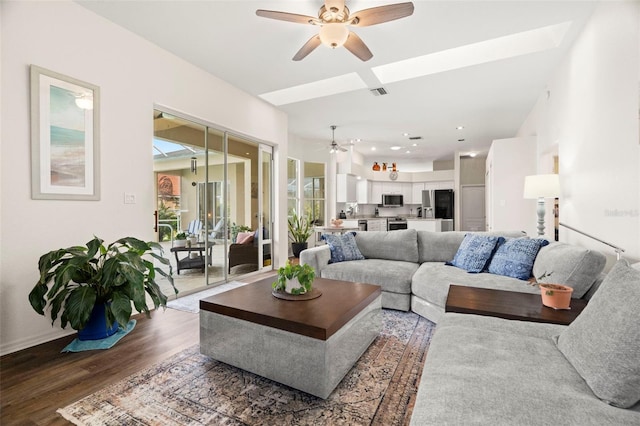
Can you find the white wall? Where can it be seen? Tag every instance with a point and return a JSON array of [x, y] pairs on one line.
[[590, 117], [133, 75]]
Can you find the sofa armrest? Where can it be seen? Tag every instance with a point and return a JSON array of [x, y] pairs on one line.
[[317, 257]]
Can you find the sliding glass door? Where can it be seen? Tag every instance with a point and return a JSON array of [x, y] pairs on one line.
[[213, 187]]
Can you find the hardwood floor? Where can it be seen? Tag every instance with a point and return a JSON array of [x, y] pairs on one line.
[[35, 382]]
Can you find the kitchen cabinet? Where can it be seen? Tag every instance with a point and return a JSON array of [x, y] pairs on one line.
[[363, 192], [406, 189], [376, 193], [376, 224], [391, 188], [346, 188], [416, 192], [434, 225]]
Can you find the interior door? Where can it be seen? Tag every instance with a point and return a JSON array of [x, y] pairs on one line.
[[472, 201]]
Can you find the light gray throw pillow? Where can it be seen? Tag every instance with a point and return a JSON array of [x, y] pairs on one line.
[[603, 343]]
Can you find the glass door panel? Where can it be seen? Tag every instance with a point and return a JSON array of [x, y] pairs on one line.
[[178, 160], [266, 202], [215, 226]]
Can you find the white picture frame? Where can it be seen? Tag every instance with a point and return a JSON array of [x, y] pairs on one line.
[[65, 137]]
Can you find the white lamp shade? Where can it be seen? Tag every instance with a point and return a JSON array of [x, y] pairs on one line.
[[542, 186], [334, 34]]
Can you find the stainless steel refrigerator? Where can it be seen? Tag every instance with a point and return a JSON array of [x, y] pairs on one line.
[[443, 207]]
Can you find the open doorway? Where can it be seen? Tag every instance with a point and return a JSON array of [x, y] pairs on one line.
[[211, 188]]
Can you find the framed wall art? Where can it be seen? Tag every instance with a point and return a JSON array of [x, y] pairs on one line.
[[65, 137]]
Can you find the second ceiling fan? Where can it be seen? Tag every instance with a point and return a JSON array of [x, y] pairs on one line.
[[334, 18]]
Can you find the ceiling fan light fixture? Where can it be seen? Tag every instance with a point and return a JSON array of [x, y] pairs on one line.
[[334, 34]]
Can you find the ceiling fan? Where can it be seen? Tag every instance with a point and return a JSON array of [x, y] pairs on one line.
[[334, 18], [334, 147]]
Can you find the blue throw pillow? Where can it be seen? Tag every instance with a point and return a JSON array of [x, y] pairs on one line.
[[474, 252], [343, 247], [515, 257]]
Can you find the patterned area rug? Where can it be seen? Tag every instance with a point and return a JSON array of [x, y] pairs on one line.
[[192, 389]]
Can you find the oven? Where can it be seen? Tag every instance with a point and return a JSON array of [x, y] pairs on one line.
[[396, 223]]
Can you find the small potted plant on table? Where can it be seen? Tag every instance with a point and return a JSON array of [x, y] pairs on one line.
[[556, 296], [295, 279]]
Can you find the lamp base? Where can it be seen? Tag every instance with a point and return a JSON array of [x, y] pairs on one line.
[[541, 212]]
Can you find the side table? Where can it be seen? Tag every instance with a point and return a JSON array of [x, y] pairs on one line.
[[188, 262], [509, 305]]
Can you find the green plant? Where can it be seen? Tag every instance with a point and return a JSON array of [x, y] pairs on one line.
[[236, 229], [181, 236], [116, 275], [300, 228], [304, 273]]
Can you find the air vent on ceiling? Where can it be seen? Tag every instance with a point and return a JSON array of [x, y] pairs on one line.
[[379, 91], [415, 138]]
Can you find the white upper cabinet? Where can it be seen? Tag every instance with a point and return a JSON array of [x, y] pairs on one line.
[[346, 188], [363, 192], [376, 193]]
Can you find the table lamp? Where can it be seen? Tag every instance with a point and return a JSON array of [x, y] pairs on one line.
[[541, 187]]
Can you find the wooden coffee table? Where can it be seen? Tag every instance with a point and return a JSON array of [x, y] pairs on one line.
[[309, 345], [508, 304]]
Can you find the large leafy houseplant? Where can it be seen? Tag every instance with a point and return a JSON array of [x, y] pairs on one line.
[[300, 228], [74, 279]]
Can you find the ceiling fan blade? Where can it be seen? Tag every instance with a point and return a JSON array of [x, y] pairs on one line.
[[378, 15], [308, 47], [342, 148], [355, 45], [286, 16]]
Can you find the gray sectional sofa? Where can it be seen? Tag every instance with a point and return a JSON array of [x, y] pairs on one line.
[[491, 371], [410, 267]]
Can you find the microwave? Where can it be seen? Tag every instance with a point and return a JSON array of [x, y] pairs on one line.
[[392, 200]]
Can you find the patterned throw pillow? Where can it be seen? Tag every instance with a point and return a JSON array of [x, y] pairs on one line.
[[343, 247], [474, 252], [514, 258]]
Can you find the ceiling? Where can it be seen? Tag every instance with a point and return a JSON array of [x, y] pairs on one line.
[[491, 97]]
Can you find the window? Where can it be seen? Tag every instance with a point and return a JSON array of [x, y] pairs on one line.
[[314, 192], [293, 193]]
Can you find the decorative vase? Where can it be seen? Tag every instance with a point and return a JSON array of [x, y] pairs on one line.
[[180, 243], [376, 167], [393, 167], [384, 167], [294, 284], [556, 296], [297, 248], [97, 327]]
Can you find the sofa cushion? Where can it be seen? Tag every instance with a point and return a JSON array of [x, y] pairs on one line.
[[490, 371], [442, 246], [244, 238], [474, 252], [431, 282], [515, 256], [392, 275], [603, 343], [343, 247], [394, 245], [570, 265]]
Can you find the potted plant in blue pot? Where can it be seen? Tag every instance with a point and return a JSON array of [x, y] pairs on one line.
[[92, 287]]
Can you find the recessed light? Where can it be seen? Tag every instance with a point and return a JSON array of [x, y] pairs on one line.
[[358, 140], [405, 134], [395, 148], [473, 154], [408, 152], [415, 144], [373, 148], [459, 127]]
